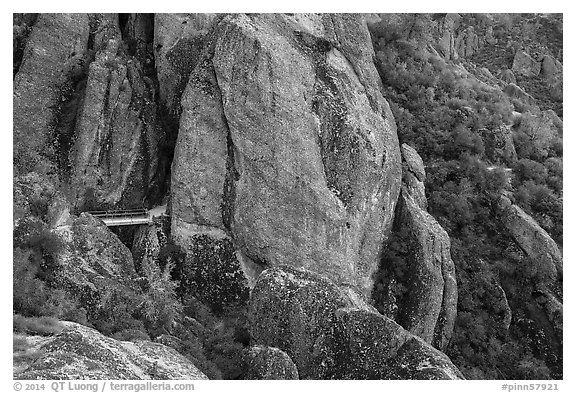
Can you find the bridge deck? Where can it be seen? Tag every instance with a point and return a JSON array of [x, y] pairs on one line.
[[118, 221], [123, 217]]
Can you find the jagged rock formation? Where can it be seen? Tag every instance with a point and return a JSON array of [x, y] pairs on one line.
[[525, 65], [178, 43], [115, 155], [94, 268], [286, 147], [54, 50], [533, 240], [332, 335], [550, 67], [428, 307], [264, 363], [79, 352]]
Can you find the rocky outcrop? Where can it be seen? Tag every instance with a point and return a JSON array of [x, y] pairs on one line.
[[178, 42], [94, 268], [264, 363], [514, 91], [446, 44], [533, 240], [79, 352], [550, 67], [54, 49], [413, 175], [525, 65], [427, 305], [115, 154], [543, 129], [286, 147], [330, 334], [467, 43]]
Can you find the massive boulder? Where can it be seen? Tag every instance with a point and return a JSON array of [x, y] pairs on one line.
[[116, 150], [79, 352], [533, 240], [550, 67], [94, 267], [263, 363], [286, 147], [54, 50], [331, 333]]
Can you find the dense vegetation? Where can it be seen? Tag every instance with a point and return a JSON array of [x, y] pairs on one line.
[[445, 114]]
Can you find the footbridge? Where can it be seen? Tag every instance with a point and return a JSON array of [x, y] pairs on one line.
[[114, 218]]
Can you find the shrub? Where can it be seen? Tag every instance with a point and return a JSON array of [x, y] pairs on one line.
[[131, 335], [44, 326], [160, 306], [29, 292]]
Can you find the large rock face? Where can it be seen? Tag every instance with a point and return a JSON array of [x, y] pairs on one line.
[[287, 147], [79, 352], [54, 49], [115, 154], [330, 333], [178, 42]]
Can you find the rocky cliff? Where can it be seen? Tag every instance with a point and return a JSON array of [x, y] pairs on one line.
[[348, 196], [287, 148]]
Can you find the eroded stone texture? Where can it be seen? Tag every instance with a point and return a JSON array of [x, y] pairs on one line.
[[533, 240], [79, 352], [287, 146], [94, 267], [178, 42], [525, 65], [426, 304], [115, 153], [328, 336], [264, 363], [54, 48]]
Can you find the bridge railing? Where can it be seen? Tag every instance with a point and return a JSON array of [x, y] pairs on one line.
[[134, 213]]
